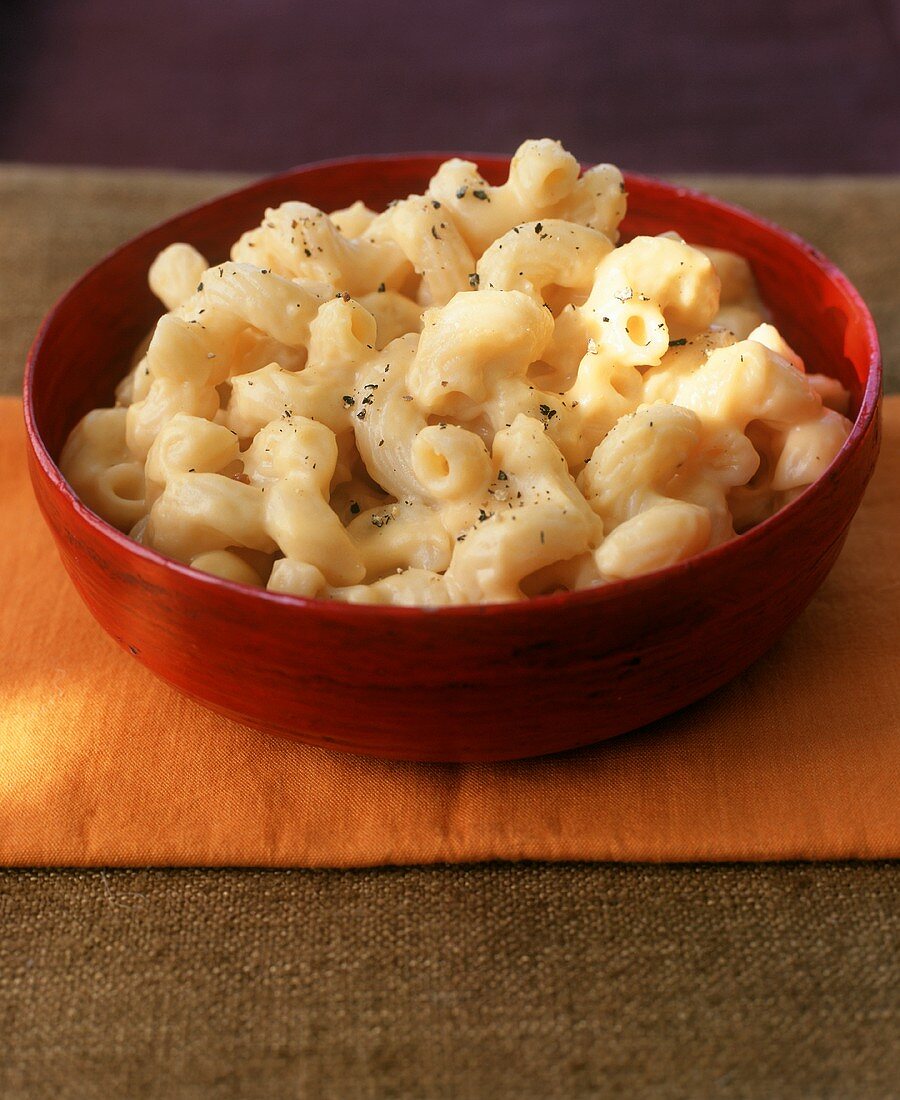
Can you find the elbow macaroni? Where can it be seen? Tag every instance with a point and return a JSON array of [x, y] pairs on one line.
[[474, 396]]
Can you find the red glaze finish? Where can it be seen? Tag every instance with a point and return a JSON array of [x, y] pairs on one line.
[[467, 683]]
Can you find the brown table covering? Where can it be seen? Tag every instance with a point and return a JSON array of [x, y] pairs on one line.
[[518, 980]]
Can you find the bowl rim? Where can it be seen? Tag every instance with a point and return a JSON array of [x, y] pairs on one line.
[[534, 605]]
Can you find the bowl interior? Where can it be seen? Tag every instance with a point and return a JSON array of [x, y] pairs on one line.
[[87, 342]]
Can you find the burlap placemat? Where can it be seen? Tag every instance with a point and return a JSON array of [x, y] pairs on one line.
[[513, 982]]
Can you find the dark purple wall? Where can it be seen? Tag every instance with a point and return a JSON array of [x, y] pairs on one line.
[[257, 85]]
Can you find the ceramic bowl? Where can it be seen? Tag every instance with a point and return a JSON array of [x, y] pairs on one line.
[[463, 683]]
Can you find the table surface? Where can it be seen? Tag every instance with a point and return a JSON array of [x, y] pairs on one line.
[[503, 980]]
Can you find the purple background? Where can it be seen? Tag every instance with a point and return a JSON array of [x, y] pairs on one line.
[[259, 85]]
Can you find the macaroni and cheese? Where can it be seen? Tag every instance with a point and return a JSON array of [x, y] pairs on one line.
[[477, 395]]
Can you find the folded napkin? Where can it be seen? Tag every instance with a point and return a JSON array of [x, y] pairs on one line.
[[101, 764]]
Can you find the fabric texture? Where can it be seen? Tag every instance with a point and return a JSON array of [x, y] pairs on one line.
[[101, 764], [505, 981]]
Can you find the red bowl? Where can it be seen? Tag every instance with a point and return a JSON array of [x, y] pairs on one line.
[[462, 683]]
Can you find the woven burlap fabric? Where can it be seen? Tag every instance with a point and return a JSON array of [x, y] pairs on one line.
[[502, 981], [513, 981]]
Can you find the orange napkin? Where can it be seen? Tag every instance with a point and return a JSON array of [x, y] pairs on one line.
[[101, 764]]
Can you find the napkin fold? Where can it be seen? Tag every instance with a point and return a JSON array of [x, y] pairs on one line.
[[101, 764]]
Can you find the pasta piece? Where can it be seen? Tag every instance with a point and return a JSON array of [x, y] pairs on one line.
[[198, 512], [395, 315], [258, 297], [472, 343], [451, 463], [653, 539], [663, 454], [409, 588], [175, 272], [300, 242], [532, 256], [296, 512], [353, 220], [740, 308], [102, 470], [597, 200], [736, 283], [543, 520], [431, 242], [296, 578], [738, 320], [396, 537], [771, 338], [543, 181], [831, 392], [386, 419], [166, 398], [228, 565], [808, 449], [188, 444], [338, 345], [746, 382]]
